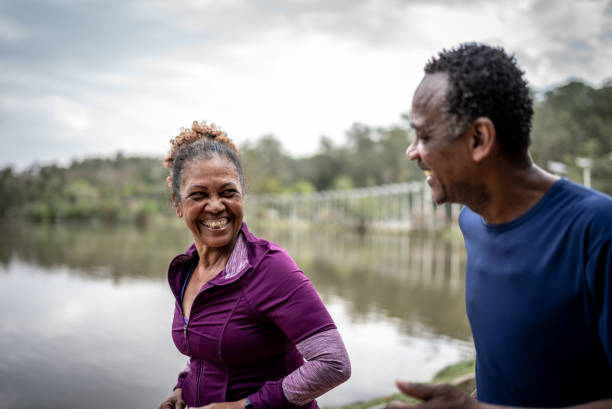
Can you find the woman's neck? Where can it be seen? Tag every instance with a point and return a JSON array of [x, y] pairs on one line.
[[211, 257]]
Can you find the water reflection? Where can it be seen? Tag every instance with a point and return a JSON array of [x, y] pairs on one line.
[[410, 277], [95, 250], [85, 310], [418, 279]]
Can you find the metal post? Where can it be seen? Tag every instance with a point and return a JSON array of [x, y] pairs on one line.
[[586, 164]]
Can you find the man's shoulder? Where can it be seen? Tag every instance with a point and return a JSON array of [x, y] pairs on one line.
[[579, 191], [587, 203], [587, 212], [565, 204]]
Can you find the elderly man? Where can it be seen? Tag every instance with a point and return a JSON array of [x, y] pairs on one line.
[[539, 248]]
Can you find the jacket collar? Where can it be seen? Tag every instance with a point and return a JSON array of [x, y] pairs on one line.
[[237, 265]]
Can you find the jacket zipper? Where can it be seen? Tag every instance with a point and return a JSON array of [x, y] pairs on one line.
[[186, 338], [185, 332], [198, 384], [179, 301]]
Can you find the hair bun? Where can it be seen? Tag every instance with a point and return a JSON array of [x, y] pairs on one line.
[[198, 131]]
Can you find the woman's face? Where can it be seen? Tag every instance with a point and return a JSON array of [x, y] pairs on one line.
[[211, 201]]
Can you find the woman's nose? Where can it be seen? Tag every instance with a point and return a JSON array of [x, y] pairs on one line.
[[215, 205]]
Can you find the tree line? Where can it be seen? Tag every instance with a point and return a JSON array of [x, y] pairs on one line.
[[571, 121]]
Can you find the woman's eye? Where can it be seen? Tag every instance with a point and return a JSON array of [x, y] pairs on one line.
[[196, 195], [229, 193]]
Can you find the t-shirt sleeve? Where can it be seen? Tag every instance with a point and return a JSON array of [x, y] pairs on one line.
[[283, 294], [599, 268]]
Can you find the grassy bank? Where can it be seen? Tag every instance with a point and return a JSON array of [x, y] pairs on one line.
[[453, 374]]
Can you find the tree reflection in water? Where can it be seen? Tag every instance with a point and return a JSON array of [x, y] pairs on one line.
[[94, 293], [417, 278]]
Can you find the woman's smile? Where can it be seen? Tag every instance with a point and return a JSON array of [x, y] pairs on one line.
[[212, 205], [216, 224]]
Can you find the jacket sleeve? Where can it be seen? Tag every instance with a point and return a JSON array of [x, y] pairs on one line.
[[327, 366], [284, 295]]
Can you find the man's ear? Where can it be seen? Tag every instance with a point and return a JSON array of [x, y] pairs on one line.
[[483, 139]]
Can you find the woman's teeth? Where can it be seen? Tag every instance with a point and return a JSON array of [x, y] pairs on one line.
[[427, 173], [215, 224]]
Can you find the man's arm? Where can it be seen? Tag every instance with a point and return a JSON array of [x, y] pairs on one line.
[[448, 397]]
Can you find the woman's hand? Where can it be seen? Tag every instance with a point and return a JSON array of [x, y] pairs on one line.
[[239, 404], [174, 401]]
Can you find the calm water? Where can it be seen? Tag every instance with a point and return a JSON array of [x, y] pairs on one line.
[[76, 303]]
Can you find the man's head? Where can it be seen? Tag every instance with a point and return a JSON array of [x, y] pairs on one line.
[[472, 107], [484, 81]]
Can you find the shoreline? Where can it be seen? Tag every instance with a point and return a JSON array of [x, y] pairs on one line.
[[460, 375]]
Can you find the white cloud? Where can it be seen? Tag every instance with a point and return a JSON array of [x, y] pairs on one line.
[[71, 115], [297, 69], [11, 31]]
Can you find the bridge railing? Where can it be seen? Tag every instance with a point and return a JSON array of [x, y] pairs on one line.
[[400, 206]]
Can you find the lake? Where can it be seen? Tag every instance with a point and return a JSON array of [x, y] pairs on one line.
[[76, 301]]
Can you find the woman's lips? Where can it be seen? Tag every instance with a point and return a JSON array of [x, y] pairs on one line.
[[216, 224]]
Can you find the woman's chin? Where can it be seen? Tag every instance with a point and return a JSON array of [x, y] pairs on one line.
[[217, 238]]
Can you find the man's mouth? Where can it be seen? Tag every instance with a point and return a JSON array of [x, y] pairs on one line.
[[216, 224]]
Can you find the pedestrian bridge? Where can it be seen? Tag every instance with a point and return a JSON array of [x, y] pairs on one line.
[[394, 207]]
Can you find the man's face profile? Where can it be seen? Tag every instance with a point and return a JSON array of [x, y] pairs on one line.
[[436, 151]]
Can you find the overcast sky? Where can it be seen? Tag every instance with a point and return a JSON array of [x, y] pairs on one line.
[[82, 78]]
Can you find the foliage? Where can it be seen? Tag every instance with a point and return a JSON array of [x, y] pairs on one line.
[[106, 190], [454, 371], [446, 375], [573, 120], [370, 157]]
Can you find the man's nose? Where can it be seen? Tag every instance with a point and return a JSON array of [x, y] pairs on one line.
[[412, 152]]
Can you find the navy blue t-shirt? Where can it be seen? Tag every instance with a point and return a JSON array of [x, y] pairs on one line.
[[539, 300]]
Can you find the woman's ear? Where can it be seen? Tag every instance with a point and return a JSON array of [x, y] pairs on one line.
[[177, 206], [483, 139]]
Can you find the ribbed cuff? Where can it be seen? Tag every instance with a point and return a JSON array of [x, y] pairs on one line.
[[271, 396]]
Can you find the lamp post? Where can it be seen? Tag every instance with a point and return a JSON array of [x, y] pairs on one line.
[[558, 168], [586, 164]]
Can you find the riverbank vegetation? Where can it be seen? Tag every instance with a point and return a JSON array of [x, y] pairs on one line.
[[571, 121], [459, 375]]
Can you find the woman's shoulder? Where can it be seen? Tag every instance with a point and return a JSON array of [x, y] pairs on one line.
[[264, 253], [272, 266]]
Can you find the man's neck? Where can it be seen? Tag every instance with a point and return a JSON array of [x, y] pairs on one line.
[[513, 191]]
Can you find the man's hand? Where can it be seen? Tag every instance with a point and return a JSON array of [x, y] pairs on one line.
[[174, 401], [433, 397], [225, 405]]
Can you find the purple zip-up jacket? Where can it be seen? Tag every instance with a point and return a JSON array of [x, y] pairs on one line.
[[243, 327]]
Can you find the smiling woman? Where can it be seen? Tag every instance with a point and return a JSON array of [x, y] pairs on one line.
[[255, 330]]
